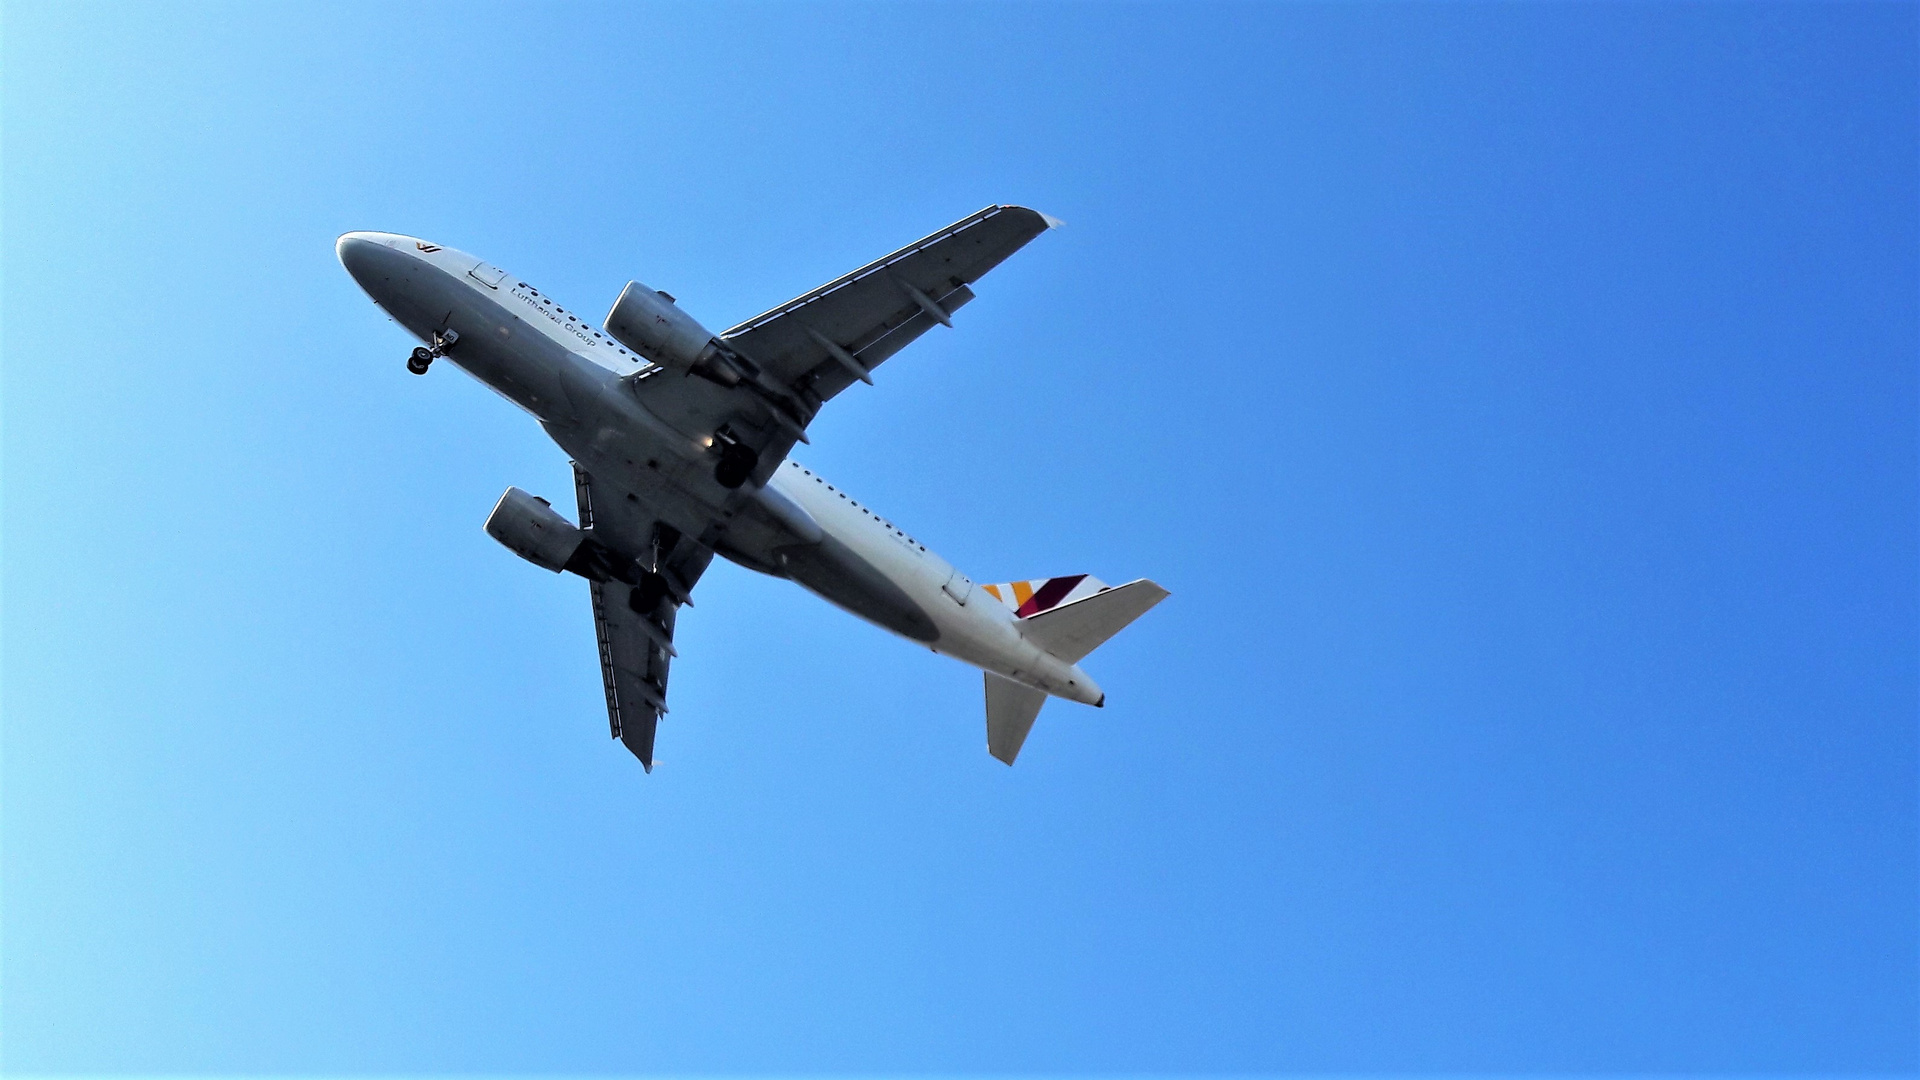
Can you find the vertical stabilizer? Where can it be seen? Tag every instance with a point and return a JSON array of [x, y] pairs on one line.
[[1029, 598], [1011, 708]]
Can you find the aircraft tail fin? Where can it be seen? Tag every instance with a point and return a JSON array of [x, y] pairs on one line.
[[1068, 617], [1011, 709], [1028, 598]]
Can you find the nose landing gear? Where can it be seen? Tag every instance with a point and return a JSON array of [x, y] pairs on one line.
[[424, 357]]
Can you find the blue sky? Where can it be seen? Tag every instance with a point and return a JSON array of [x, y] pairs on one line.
[[1519, 401]]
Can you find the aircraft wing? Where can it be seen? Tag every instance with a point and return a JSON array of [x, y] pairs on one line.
[[819, 343], [634, 622], [874, 312]]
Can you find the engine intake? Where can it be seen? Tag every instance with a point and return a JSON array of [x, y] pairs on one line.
[[531, 528], [651, 324]]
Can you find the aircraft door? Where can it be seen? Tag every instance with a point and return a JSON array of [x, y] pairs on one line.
[[960, 587], [487, 274]]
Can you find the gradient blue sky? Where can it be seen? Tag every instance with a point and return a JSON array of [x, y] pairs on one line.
[[1520, 402]]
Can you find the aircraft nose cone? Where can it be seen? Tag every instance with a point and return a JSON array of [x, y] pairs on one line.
[[380, 262], [357, 251]]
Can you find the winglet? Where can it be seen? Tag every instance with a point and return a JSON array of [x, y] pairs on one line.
[[1052, 222]]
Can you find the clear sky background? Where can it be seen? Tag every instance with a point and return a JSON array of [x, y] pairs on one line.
[[1519, 401]]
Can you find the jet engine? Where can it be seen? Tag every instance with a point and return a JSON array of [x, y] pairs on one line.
[[531, 528], [651, 324]]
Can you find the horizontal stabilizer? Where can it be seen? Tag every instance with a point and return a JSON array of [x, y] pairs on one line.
[[1011, 709], [1076, 628]]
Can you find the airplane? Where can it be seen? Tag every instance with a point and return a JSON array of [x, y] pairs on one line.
[[679, 439]]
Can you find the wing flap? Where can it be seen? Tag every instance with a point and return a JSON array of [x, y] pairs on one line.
[[632, 713]]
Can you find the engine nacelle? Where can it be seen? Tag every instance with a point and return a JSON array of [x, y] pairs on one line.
[[531, 528], [651, 324]]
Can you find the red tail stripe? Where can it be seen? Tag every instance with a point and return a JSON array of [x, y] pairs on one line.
[[1049, 594]]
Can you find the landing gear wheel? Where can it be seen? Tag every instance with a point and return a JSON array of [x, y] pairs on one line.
[[737, 462], [646, 596], [419, 361]]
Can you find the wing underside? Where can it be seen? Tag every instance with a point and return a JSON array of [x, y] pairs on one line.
[[814, 346], [633, 621], [827, 339]]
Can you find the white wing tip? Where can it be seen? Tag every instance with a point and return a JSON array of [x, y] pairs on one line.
[[1052, 222]]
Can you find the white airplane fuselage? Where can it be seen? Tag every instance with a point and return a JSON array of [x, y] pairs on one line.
[[579, 384]]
